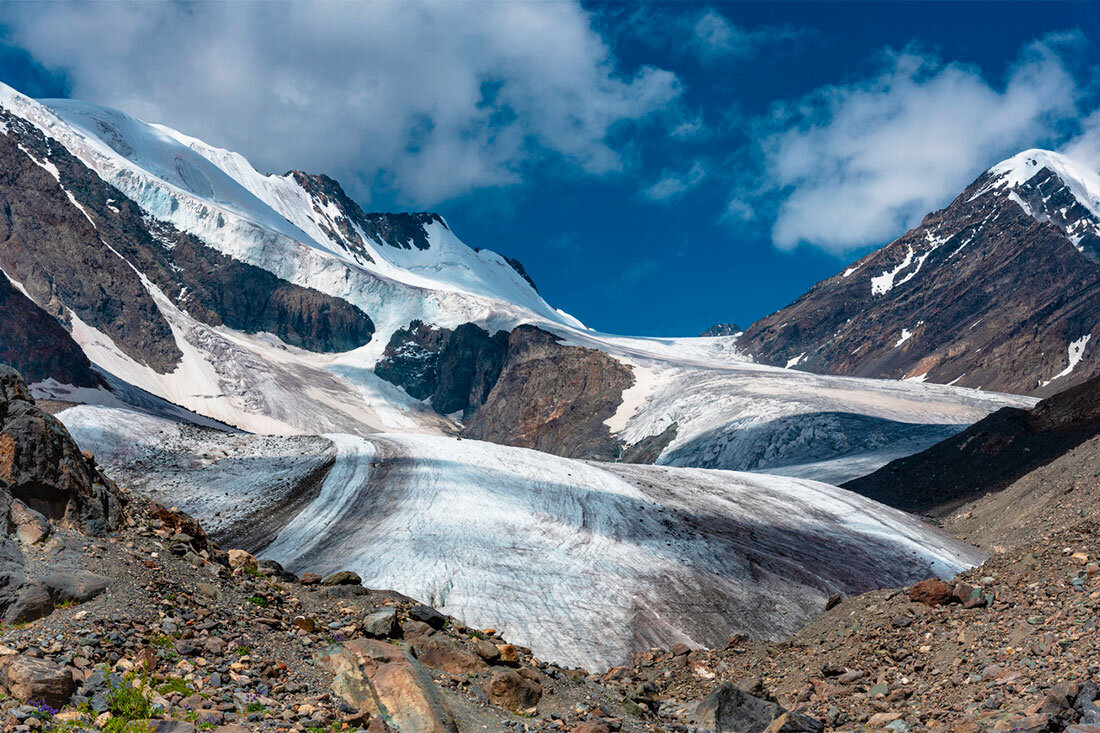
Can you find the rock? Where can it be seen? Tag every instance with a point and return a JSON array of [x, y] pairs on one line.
[[729, 709], [26, 678], [241, 559], [231, 729], [381, 679], [343, 577], [679, 649], [273, 569], [30, 526], [167, 726], [428, 615], [487, 650], [32, 602], [74, 586], [833, 601], [509, 655], [931, 592], [512, 691], [309, 579], [42, 466], [305, 623], [382, 624], [447, 657], [592, 726]]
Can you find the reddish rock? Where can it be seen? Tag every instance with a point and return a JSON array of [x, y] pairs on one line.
[[931, 592]]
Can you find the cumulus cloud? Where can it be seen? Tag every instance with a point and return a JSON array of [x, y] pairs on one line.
[[856, 164], [672, 185], [432, 101]]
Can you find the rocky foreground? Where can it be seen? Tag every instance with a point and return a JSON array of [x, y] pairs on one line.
[[122, 615]]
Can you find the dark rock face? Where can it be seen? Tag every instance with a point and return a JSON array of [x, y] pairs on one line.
[[404, 231], [33, 342], [981, 294], [80, 254], [553, 397], [41, 466], [57, 254], [988, 455], [525, 388], [411, 359], [722, 329], [469, 366]]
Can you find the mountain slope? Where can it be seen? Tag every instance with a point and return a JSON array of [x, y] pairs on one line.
[[583, 562], [989, 455], [1000, 290], [277, 305]]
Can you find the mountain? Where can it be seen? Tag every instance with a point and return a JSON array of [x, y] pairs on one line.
[[1000, 290], [275, 304], [584, 562], [989, 455]]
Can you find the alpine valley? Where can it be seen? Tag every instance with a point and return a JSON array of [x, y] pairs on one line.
[[473, 512]]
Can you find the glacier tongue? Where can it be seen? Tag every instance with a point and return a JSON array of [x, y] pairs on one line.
[[583, 562]]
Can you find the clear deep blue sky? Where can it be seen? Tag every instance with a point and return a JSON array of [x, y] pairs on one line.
[[626, 254]]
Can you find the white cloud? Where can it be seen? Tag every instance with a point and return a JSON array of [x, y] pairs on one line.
[[433, 100], [857, 164], [673, 185], [714, 36]]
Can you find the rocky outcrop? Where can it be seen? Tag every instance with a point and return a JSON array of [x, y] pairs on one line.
[[1000, 291], [43, 468], [722, 329], [44, 479], [553, 397], [524, 388], [33, 342], [77, 244], [988, 455], [401, 230], [729, 709]]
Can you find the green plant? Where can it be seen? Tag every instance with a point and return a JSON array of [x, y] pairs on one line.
[[175, 684], [254, 572], [255, 707], [258, 601], [243, 650]]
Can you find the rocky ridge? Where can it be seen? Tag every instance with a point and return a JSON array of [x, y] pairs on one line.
[[998, 291]]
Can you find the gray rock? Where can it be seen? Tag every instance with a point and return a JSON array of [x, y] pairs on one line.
[[33, 602], [729, 709], [74, 586], [382, 624]]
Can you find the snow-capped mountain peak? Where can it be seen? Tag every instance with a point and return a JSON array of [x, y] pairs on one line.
[[1052, 187]]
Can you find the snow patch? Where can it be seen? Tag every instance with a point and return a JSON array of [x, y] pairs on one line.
[[1076, 353]]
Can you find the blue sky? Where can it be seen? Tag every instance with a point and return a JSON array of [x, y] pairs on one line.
[[656, 167]]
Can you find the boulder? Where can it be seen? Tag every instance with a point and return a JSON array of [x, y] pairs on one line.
[[74, 586], [729, 709], [512, 691], [592, 726], [487, 650], [428, 615], [273, 569], [241, 559], [30, 526], [28, 678], [445, 656], [932, 592], [343, 577], [382, 624], [380, 679], [30, 604], [309, 579]]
